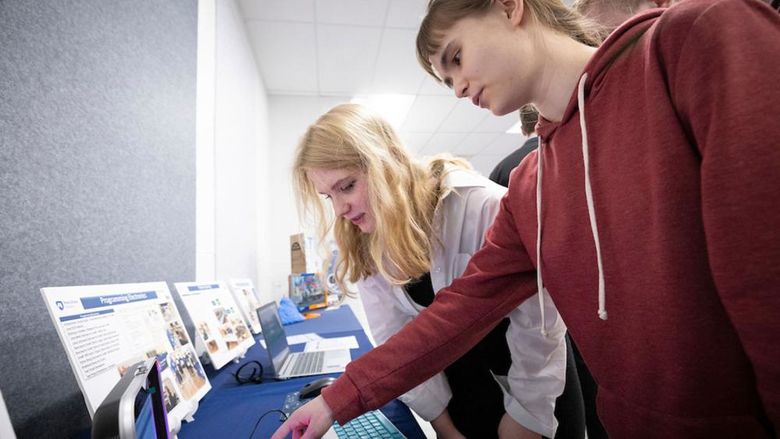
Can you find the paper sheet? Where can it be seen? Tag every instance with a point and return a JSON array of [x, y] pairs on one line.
[[330, 344], [298, 339]]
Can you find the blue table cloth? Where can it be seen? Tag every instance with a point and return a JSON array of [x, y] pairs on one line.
[[232, 410]]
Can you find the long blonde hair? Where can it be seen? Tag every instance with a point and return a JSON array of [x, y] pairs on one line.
[[403, 194], [443, 14]]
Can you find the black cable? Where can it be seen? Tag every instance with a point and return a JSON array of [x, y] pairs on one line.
[[255, 377], [261, 418]]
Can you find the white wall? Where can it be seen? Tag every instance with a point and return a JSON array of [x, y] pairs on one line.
[[289, 116], [205, 233], [233, 163], [6, 430]]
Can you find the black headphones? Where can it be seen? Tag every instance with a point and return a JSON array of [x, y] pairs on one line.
[[255, 375]]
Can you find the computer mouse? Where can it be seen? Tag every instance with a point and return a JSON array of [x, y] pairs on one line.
[[314, 388]]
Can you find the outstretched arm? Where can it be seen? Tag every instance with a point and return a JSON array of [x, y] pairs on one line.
[[385, 318], [498, 278]]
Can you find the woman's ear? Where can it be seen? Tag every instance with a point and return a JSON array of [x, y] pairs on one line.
[[513, 9]]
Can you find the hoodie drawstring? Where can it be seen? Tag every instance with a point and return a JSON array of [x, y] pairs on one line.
[[602, 311], [539, 284], [589, 195]]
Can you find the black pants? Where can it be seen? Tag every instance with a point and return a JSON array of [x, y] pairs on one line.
[[477, 403], [570, 410], [588, 384]]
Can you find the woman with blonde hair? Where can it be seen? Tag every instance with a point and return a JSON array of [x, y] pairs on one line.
[[654, 190], [404, 231]]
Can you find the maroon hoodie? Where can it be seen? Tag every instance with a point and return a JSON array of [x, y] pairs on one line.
[[678, 120]]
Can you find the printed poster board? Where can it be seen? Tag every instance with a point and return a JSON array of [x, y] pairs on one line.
[[218, 323], [107, 328], [246, 299]]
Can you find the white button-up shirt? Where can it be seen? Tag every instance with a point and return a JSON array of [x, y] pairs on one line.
[[537, 375]]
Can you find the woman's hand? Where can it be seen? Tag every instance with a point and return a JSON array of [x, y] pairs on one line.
[[445, 428], [511, 429], [310, 421]]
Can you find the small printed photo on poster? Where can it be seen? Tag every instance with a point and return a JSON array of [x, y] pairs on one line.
[[167, 311], [187, 370], [219, 312], [242, 332], [170, 395], [180, 335], [125, 364], [229, 336]]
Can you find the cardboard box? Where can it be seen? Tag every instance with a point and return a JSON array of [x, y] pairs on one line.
[[297, 253]]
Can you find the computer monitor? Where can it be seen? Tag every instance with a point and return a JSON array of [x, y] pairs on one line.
[[135, 407]]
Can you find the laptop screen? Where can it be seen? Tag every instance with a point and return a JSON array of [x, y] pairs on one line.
[[274, 335], [145, 427]]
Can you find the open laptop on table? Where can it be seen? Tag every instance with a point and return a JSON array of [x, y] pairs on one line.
[[290, 365]]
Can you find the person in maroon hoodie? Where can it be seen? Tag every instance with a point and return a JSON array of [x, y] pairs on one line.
[[650, 213]]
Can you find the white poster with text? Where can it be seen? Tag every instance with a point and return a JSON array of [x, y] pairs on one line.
[[246, 299], [107, 328]]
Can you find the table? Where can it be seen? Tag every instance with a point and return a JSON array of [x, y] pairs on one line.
[[232, 410]]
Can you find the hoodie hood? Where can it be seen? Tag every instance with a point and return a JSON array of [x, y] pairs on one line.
[[610, 50]]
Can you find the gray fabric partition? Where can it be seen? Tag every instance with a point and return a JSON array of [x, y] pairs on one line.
[[97, 175]]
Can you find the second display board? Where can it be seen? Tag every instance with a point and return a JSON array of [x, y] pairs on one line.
[[220, 330]]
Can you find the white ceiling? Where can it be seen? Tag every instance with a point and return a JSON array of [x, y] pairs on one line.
[[350, 47]]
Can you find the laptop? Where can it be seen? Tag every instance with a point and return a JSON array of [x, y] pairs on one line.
[[135, 407], [287, 364]]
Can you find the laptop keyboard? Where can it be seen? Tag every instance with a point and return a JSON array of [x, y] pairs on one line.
[[308, 362], [373, 424]]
